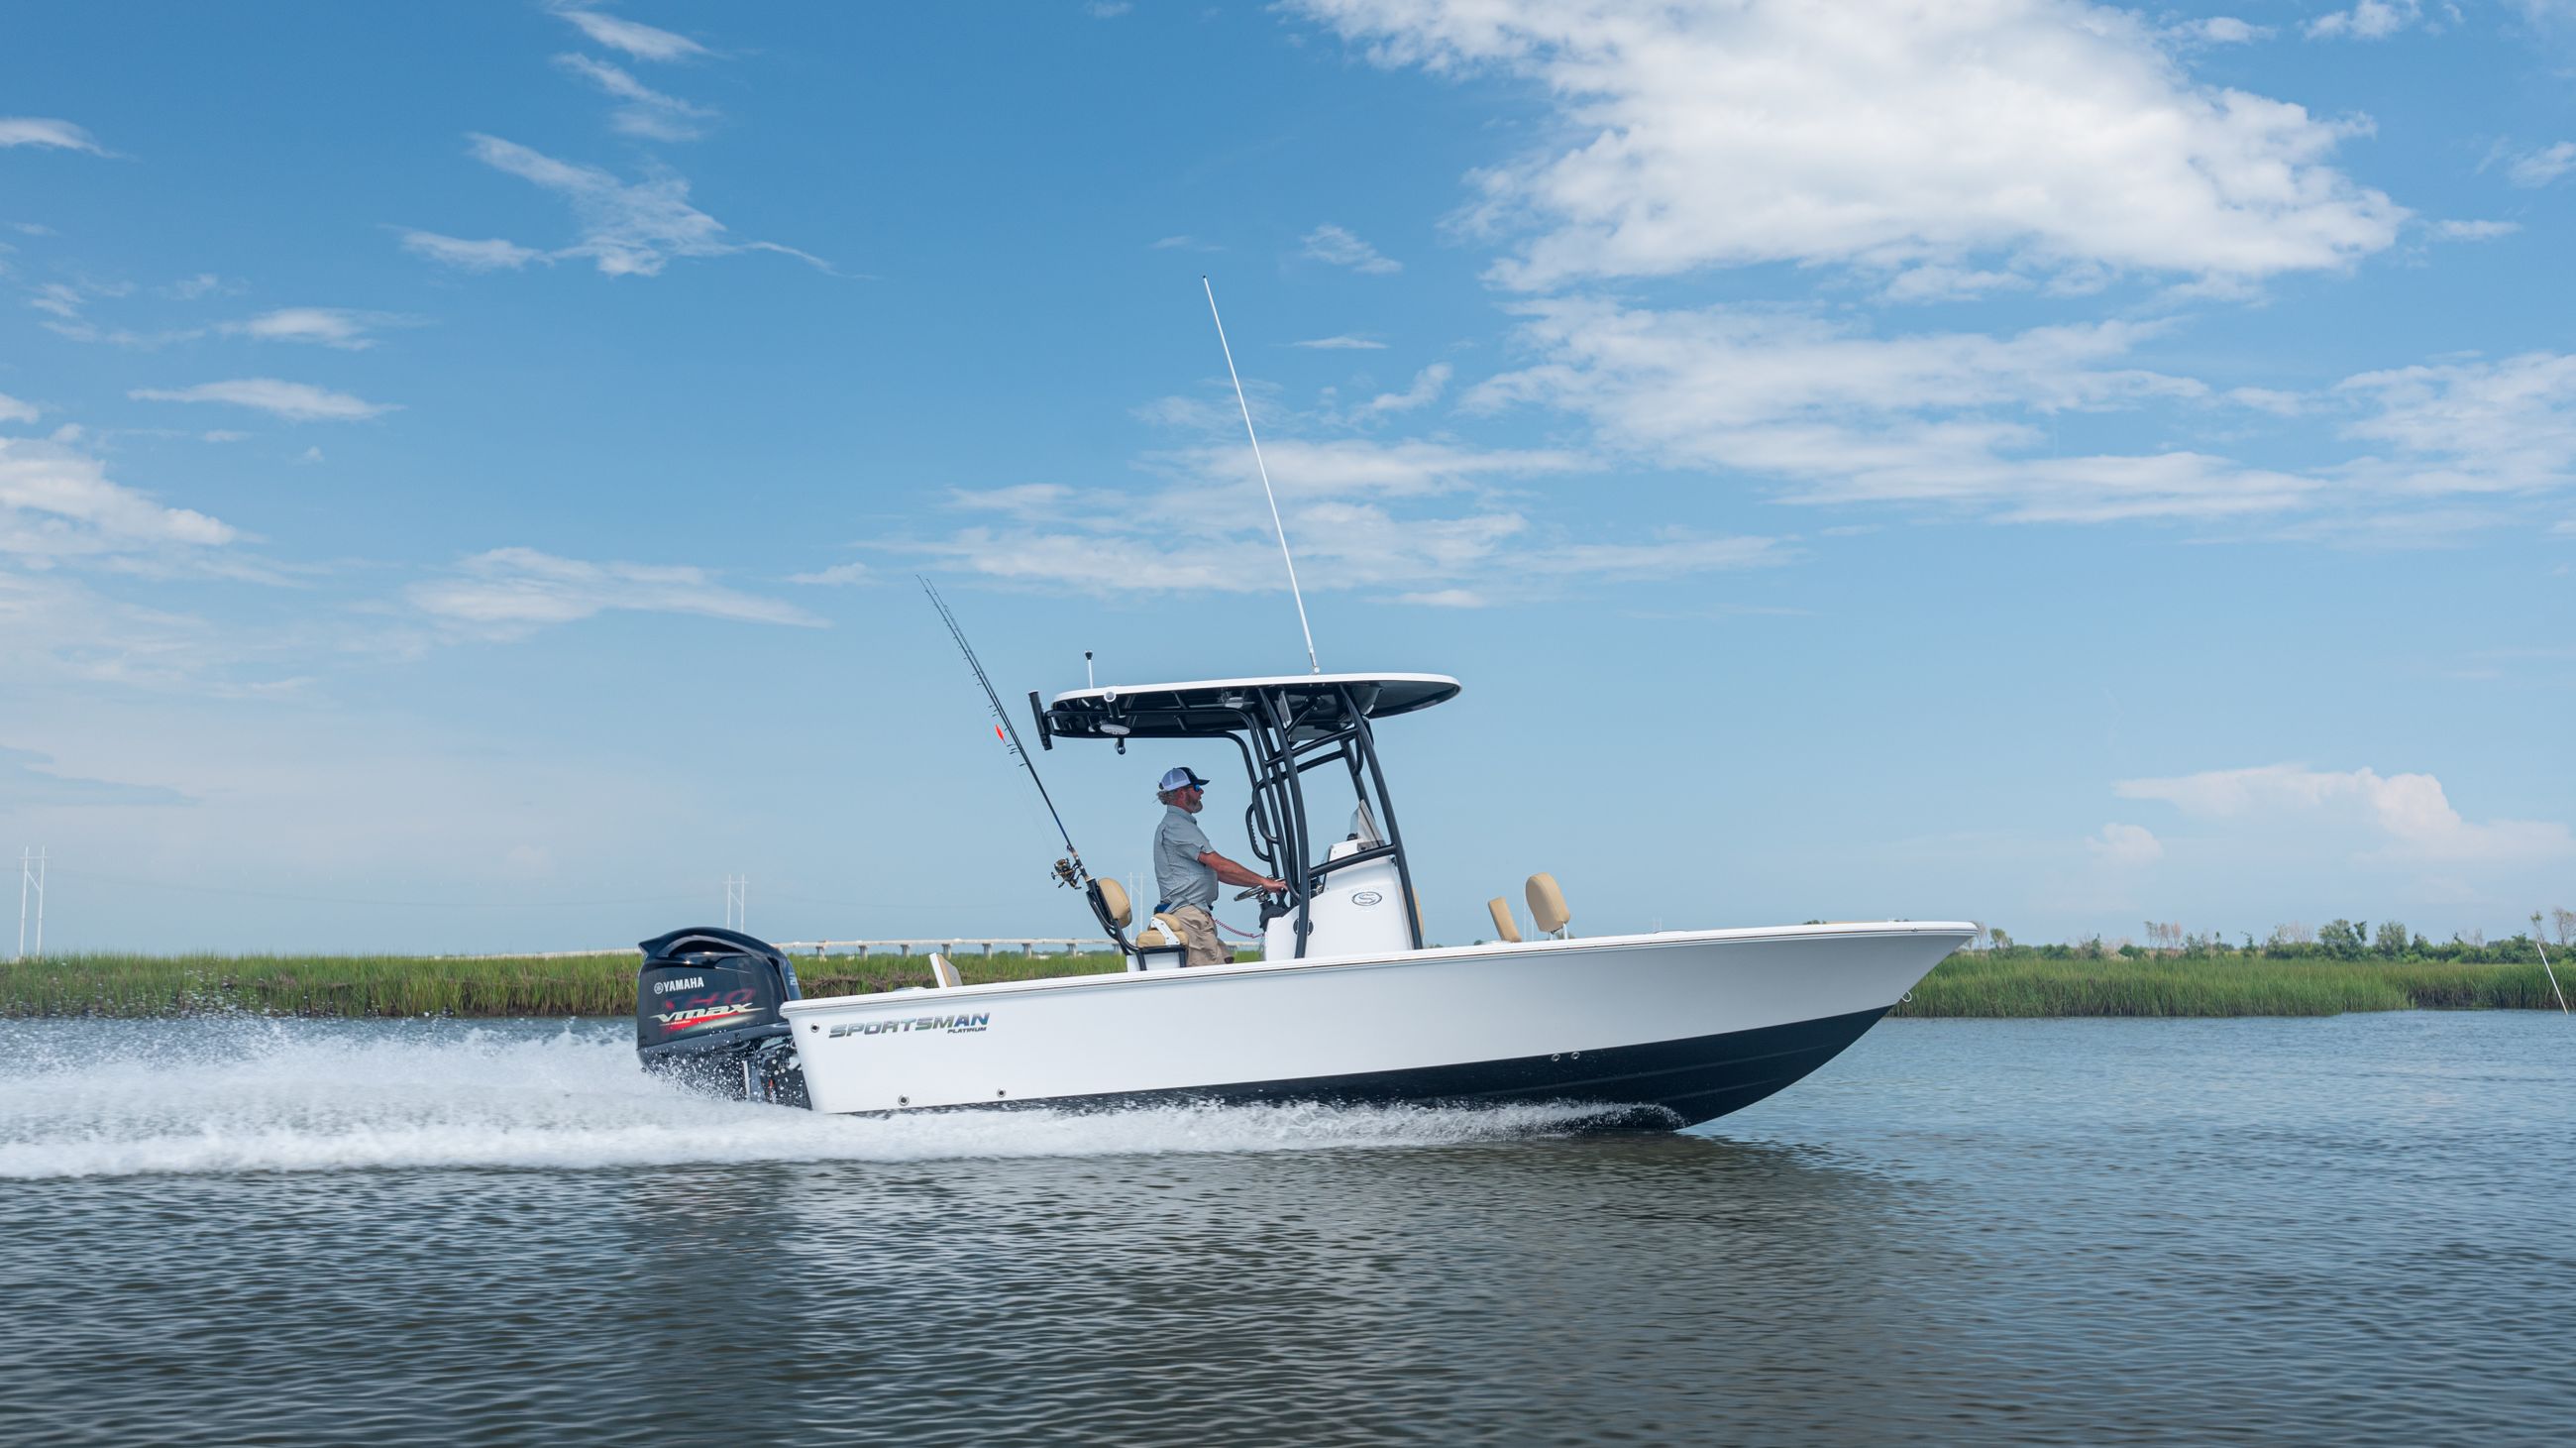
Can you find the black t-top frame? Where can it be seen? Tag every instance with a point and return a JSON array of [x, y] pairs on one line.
[[1283, 728]]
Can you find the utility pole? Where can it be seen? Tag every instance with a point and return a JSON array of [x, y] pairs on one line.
[[737, 902], [31, 879]]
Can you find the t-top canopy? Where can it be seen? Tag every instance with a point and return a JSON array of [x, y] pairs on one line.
[[1211, 707]]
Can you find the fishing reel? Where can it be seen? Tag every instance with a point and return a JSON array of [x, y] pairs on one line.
[[1064, 874]]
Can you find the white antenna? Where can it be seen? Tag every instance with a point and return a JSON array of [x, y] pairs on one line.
[[737, 902], [1264, 468], [1088, 681]]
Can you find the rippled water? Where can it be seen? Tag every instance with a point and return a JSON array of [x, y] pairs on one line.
[[2339, 1231]]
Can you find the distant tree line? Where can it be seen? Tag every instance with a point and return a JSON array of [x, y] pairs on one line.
[[2335, 940]]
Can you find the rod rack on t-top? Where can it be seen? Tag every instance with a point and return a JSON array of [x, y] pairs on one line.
[[1283, 728]]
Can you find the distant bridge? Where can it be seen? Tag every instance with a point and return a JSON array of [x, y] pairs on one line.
[[953, 944], [915, 945]]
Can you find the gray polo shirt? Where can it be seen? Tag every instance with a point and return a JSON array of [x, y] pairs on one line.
[[1178, 843]]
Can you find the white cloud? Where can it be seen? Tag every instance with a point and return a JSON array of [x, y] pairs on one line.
[[122, 336], [1426, 389], [627, 229], [2475, 230], [2368, 20], [57, 502], [510, 592], [1341, 343], [2538, 168], [1346, 467], [12, 410], [327, 326], [2128, 846], [1107, 9], [1183, 243], [2270, 399], [53, 624], [638, 40], [837, 574], [2470, 426], [29, 777], [68, 302], [1445, 598], [1417, 517], [203, 284], [647, 112], [2059, 136], [1951, 418], [294, 401], [2410, 813], [492, 255], [40, 131], [2218, 30], [1337, 246], [63, 299], [1932, 282]]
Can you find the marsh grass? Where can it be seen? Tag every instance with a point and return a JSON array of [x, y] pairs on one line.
[[413, 985], [2018, 982], [2022, 983]]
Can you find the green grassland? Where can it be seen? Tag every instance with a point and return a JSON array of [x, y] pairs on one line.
[[2024, 983], [2017, 981], [414, 985]]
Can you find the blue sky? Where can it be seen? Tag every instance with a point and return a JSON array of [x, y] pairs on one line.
[[462, 469]]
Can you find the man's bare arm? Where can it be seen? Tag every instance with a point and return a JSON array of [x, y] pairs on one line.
[[1234, 874]]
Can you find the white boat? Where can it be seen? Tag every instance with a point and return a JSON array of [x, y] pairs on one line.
[[1348, 1004]]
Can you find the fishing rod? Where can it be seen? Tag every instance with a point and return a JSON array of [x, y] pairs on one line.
[[1070, 870]]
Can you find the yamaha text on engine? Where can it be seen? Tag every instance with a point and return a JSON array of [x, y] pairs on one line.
[[706, 1015]]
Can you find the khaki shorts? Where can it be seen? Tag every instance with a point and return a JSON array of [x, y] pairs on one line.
[[1198, 932]]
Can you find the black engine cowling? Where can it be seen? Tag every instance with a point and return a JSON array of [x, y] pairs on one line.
[[706, 1014]]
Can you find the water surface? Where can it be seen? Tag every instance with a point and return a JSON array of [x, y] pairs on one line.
[[2351, 1230]]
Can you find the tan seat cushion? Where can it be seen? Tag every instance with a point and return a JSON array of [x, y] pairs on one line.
[[1547, 904], [1114, 895]]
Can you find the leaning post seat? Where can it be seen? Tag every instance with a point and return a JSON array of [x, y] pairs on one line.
[[1114, 895], [1506, 929], [1547, 905], [1160, 946]]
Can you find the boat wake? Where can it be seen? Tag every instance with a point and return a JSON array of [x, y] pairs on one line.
[[238, 1094]]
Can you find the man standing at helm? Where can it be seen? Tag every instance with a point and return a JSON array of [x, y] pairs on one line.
[[1187, 869]]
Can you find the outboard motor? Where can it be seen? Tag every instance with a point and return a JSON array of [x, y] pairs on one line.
[[706, 1014]]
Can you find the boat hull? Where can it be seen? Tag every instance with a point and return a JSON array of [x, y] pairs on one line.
[[1667, 1029], [1662, 1086]]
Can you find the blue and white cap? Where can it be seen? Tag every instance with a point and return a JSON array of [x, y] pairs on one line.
[[1180, 778]]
